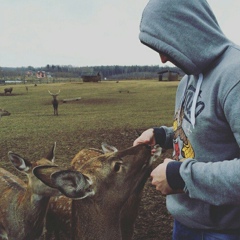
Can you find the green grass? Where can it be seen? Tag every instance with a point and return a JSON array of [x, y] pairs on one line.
[[103, 113]]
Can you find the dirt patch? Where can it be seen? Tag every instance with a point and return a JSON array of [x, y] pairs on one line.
[[11, 95], [97, 101]]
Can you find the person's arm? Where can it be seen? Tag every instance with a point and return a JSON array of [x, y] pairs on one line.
[[164, 137], [166, 177], [217, 182], [157, 135]]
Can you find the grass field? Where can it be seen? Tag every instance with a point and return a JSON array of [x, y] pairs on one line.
[[32, 126], [107, 111]]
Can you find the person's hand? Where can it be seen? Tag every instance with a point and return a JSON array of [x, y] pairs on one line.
[[159, 178], [146, 137]]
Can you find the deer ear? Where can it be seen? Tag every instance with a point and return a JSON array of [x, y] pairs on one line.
[[3, 232], [44, 173], [18, 162], [72, 184], [108, 148], [51, 155]]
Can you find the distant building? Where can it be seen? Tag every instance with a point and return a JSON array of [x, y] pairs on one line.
[[91, 77], [168, 75], [40, 74], [14, 81]]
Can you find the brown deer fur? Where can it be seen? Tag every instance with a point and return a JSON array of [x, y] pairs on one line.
[[55, 102], [23, 205], [110, 207]]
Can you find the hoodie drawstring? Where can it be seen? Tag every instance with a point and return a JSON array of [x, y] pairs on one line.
[[193, 108]]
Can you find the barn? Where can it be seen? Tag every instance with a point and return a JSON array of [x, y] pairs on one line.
[[91, 77], [168, 75]]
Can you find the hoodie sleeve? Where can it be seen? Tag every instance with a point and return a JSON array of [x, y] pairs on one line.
[[217, 182]]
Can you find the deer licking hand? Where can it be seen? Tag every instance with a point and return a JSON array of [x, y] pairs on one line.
[[55, 102], [23, 206], [111, 196]]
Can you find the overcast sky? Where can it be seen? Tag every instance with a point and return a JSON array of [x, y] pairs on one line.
[[85, 32]]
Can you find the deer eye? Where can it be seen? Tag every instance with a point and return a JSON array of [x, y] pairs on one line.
[[117, 166]]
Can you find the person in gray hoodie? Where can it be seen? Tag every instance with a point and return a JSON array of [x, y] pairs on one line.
[[202, 180]]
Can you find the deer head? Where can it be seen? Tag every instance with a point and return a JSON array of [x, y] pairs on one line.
[[54, 94], [23, 205], [111, 178]]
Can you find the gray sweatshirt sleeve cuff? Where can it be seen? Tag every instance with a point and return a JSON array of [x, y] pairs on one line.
[[174, 178]]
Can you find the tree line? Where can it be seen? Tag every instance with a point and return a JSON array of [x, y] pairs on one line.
[[106, 72]]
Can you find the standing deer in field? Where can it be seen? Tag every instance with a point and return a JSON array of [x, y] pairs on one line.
[[8, 90], [23, 205], [55, 102], [111, 196]]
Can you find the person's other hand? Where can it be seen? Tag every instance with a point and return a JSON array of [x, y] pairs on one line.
[[159, 178]]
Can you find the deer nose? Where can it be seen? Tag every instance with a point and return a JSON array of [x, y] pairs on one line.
[[148, 147]]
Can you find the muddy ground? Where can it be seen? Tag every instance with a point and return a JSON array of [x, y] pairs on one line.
[[154, 221]]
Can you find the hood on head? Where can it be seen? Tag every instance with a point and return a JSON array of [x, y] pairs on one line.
[[185, 31]]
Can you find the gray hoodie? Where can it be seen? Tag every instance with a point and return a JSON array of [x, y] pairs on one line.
[[206, 131]]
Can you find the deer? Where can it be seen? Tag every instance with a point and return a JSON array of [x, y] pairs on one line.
[[24, 205], [110, 205], [4, 112], [8, 90], [55, 102]]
